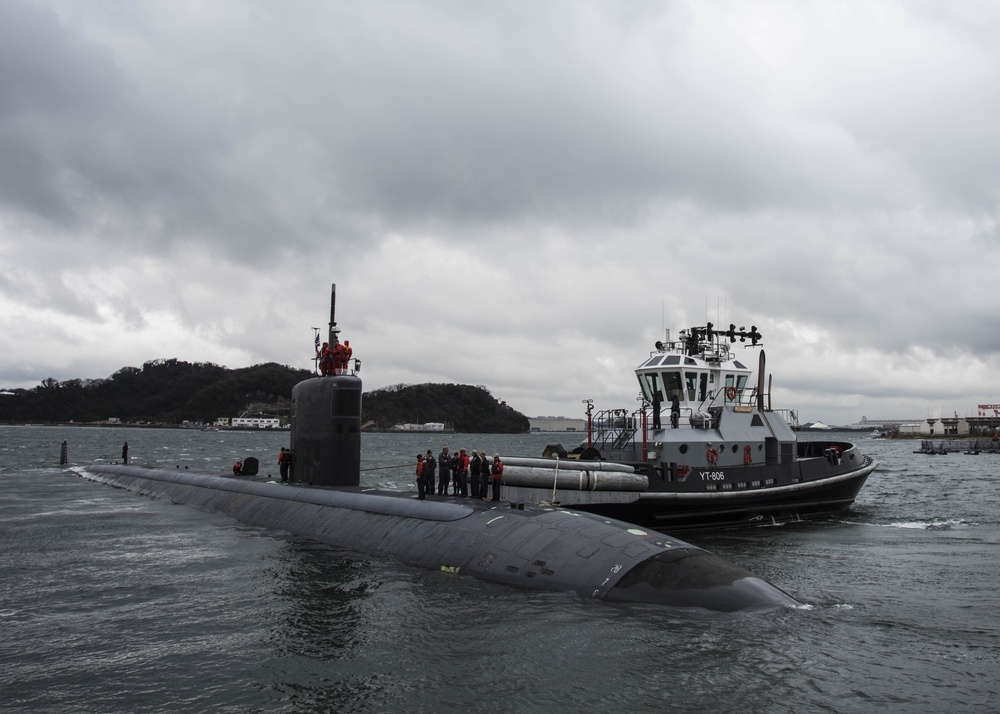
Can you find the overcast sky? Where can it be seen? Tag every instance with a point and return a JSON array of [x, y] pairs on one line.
[[517, 195]]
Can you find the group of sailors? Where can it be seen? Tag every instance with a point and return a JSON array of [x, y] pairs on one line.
[[335, 359], [470, 474]]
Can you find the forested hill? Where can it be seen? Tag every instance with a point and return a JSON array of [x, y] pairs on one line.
[[164, 391], [170, 391], [471, 410]]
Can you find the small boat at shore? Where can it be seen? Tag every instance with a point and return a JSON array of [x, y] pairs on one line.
[[721, 458]]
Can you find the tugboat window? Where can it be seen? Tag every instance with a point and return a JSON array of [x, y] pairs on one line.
[[692, 385], [672, 385], [673, 359], [652, 384]]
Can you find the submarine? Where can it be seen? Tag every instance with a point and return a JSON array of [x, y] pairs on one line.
[[527, 546]]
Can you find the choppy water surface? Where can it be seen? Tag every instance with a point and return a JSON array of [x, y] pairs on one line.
[[112, 602]]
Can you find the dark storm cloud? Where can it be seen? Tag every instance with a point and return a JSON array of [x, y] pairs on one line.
[[421, 114], [535, 124], [84, 147], [52, 88], [88, 144]]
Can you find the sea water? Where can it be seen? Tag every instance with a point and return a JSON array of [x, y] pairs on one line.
[[113, 602]]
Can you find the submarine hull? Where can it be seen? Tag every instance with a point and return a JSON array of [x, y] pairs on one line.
[[534, 547]]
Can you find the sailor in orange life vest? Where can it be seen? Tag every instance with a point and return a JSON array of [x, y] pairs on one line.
[[421, 482], [461, 474], [337, 357], [325, 359], [346, 354], [283, 464], [497, 472]]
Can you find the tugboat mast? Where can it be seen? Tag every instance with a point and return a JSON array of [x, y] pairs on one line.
[[698, 341]]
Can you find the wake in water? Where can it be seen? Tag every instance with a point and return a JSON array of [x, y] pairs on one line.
[[935, 524]]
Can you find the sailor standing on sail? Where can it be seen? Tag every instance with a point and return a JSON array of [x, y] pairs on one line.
[[325, 359]]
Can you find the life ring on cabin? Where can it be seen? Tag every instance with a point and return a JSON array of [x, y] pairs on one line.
[[731, 393], [712, 455], [747, 454]]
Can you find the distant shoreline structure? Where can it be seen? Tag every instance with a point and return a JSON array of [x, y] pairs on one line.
[[982, 425], [557, 425]]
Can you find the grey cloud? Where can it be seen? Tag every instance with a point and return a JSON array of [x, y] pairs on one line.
[[569, 171]]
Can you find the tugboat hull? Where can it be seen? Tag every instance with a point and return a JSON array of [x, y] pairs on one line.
[[670, 512]]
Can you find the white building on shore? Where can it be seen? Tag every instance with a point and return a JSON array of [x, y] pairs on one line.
[[550, 423], [429, 426], [255, 423]]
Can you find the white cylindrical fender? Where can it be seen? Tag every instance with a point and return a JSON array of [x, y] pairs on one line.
[[572, 478], [568, 464]]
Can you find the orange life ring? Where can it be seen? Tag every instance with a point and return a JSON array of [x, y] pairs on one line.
[[731, 393], [747, 454], [713, 455]]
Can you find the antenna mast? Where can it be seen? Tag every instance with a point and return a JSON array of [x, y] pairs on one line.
[[333, 314]]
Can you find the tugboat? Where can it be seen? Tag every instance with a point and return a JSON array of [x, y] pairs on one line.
[[722, 458]]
